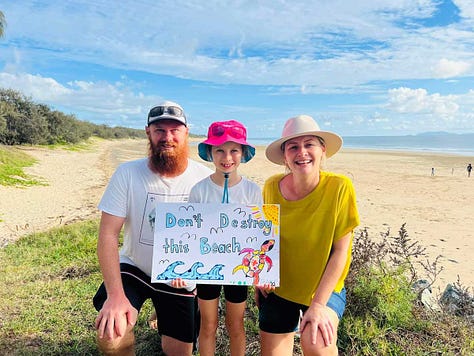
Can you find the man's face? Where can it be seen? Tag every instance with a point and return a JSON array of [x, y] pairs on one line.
[[168, 147]]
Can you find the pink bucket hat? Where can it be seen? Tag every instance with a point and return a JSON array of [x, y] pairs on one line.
[[221, 132]]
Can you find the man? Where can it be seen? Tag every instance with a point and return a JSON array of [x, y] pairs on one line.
[[166, 175]]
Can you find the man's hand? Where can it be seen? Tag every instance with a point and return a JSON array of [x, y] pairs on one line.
[[114, 317]]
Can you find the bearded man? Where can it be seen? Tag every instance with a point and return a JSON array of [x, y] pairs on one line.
[[166, 175]]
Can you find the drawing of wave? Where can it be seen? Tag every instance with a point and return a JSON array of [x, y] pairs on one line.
[[213, 274]]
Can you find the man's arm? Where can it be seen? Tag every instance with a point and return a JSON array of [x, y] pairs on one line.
[[117, 311]]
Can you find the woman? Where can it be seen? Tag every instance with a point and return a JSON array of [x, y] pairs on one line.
[[318, 214]]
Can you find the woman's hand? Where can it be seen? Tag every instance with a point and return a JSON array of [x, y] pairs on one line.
[[263, 290], [317, 317], [266, 288]]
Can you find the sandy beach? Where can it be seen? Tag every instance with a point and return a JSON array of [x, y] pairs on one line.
[[392, 188]]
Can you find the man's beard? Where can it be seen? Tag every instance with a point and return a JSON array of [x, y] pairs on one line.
[[165, 162]]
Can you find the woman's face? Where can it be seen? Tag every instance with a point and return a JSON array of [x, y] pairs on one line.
[[303, 154]]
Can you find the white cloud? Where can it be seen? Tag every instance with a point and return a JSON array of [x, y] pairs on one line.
[[406, 100], [447, 69], [266, 43], [43, 89]]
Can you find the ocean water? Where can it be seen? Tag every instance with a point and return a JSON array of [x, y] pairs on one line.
[[459, 144]]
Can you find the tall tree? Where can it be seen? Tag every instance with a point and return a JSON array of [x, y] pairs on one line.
[[3, 23]]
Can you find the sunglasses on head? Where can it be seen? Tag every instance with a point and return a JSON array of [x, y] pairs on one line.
[[234, 131], [158, 111]]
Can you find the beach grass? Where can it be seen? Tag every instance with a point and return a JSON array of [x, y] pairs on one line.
[[49, 278], [13, 161], [12, 164]]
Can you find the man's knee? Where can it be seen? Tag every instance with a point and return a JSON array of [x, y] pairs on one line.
[[123, 345]]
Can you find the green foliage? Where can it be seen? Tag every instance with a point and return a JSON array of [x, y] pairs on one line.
[[24, 122], [383, 315], [388, 298], [3, 24], [378, 304]]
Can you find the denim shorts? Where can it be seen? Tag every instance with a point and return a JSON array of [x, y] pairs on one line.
[[279, 316]]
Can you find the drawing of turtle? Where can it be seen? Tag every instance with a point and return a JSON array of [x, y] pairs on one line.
[[254, 261]]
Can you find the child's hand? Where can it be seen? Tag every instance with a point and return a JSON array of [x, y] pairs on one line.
[[178, 283]]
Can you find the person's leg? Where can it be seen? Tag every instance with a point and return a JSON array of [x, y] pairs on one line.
[[136, 294], [236, 297], [119, 346], [278, 319], [208, 299], [320, 348], [234, 321], [209, 321], [175, 347], [175, 309], [152, 322], [336, 306], [276, 344]]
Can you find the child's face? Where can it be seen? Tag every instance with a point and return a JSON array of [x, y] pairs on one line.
[[227, 156]]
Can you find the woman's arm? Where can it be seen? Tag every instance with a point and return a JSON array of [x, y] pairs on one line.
[[316, 317]]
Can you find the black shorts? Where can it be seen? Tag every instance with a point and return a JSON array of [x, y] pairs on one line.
[[176, 309], [233, 294], [279, 316]]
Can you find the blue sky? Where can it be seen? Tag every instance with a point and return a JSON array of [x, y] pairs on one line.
[[367, 67]]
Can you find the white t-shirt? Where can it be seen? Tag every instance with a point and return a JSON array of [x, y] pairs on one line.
[[132, 193], [244, 192]]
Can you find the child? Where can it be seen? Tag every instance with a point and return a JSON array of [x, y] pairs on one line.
[[226, 147]]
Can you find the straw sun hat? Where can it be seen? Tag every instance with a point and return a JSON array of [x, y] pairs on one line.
[[302, 125]]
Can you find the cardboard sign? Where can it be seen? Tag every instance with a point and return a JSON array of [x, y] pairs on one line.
[[217, 243]]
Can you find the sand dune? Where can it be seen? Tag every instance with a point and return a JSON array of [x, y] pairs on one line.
[[393, 188]]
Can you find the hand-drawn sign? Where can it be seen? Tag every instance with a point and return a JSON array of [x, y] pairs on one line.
[[217, 243]]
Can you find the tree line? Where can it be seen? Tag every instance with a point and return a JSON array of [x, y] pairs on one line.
[[3, 24], [24, 122]]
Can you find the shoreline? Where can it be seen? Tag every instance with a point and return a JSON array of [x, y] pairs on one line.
[[468, 154], [393, 188]]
